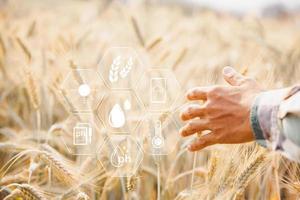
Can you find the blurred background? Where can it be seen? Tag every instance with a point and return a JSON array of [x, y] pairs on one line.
[[41, 42]]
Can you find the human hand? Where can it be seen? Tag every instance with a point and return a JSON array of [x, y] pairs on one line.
[[225, 112]]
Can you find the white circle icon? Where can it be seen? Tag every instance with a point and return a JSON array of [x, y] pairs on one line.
[[157, 142], [84, 90]]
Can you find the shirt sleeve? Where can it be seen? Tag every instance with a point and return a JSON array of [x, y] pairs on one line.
[[275, 121]]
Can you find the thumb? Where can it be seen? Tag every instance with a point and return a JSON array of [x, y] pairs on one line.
[[233, 77]]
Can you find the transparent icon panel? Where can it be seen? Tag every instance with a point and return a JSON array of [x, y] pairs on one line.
[[158, 89], [121, 67], [121, 111], [121, 155], [82, 90], [80, 136], [160, 134]]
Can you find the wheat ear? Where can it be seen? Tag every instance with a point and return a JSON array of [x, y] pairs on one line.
[[76, 73], [244, 177], [137, 31], [25, 49], [179, 58], [153, 44], [82, 196], [14, 195], [31, 29], [212, 168], [31, 192], [32, 89], [62, 172]]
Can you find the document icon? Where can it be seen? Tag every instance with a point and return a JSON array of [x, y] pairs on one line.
[[82, 134], [158, 90]]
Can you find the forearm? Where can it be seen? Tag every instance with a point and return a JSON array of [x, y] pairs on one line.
[[275, 120]]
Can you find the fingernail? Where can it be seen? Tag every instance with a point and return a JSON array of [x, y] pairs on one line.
[[228, 71], [190, 148], [181, 132], [190, 95], [182, 116]]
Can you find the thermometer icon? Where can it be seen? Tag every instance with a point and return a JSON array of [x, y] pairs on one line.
[[157, 140]]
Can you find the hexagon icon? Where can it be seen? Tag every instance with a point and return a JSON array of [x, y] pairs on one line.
[[81, 135], [120, 111], [158, 89], [120, 155], [82, 90], [121, 68], [160, 133]]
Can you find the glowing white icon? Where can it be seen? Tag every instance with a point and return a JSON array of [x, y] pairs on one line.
[[158, 90], [117, 72], [84, 90], [120, 157], [127, 68], [116, 117], [82, 134], [127, 104], [157, 140]]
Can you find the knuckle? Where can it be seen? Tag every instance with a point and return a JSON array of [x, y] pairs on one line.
[[208, 111], [218, 136], [190, 125], [214, 92], [190, 110], [209, 107]]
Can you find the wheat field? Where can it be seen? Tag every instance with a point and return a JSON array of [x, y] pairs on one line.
[[42, 42]]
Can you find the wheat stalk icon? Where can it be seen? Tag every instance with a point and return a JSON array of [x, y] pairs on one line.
[[114, 70], [127, 68]]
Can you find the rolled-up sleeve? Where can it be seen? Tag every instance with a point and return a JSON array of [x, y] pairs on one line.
[[275, 121]]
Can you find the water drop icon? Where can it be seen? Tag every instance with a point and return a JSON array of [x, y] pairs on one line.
[[115, 157], [116, 116]]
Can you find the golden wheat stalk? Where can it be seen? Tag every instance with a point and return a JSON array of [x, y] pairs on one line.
[[212, 167], [164, 56], [32, 89], [16, 194], [25, 191], [76, 73], [153, 44], [244, 177], [137, 31], [18, 178], [61, 171], [179, 58], [25, 49], [82, 196], [2, 46], [31, 29], [30, 192]]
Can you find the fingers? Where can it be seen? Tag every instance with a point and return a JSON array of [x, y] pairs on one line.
[[197, 93], [204, 141], [192, 111], [197, 125], [233, 77]]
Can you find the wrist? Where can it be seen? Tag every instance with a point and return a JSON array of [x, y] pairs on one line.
[[264, 115], [254, 122]]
